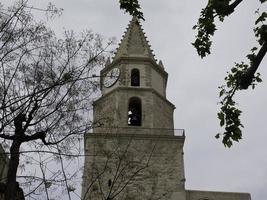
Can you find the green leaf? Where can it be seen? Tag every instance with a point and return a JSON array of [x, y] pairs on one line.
[[194, 27], [132, 7], [229, 143], [251, 57], [254, 49], [258, 79], [261, 18], [221, 118], [234, 70], [222, 92]]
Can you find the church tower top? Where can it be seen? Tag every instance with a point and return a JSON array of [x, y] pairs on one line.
[[134, 43], [133, 86]]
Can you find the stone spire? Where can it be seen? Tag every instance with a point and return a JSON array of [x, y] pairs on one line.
[[134, 43]]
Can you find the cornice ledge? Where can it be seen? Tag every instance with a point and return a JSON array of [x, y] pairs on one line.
[[136, 136]]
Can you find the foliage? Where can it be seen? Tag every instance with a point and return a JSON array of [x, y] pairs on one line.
[[206, 26], [132, 7], [242, 75], [229, 115]]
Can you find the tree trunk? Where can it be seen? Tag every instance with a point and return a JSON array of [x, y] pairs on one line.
[[11, 186]]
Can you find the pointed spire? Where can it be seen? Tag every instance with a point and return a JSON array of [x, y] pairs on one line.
[[107, 62], [161, 64], [134, 43]]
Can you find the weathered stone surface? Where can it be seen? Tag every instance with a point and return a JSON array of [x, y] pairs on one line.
[[210, 195], [134, 43], [139, 166], [112, 109], [151, 74]]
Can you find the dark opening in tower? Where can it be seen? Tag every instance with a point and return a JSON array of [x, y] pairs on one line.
[[134, 112], [135, 77]]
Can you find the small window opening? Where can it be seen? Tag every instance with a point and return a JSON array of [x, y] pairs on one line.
[[134, 112], [109, 183], [135, 77]]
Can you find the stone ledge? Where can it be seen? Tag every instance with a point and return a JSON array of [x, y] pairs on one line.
[[135, 136], [216, 195]]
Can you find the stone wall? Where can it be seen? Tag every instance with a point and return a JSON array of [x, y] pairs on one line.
[[162, 112], [151, 76], [209, 195], [112, 109], [133, 167]]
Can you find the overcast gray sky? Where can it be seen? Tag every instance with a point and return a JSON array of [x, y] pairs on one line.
[[193, 84]]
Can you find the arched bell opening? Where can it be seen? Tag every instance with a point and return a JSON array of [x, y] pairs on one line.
[[135, 77], [135, 112]]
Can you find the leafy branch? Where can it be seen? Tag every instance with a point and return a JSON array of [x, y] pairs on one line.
[[132, 7], [242, 75], [229, 114]]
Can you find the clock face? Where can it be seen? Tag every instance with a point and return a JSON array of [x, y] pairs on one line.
[[111, 77]]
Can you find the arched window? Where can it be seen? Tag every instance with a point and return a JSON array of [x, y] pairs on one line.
[[134, 112], [135, 77]]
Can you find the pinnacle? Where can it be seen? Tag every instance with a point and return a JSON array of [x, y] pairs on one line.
[[161, 64], [107, 61], [134, 42]]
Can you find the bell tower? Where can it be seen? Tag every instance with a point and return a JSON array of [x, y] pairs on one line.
[[134, 152], [134, 85]]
